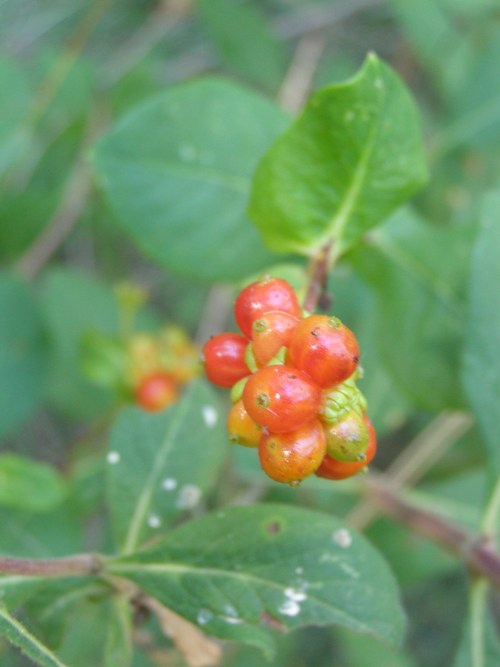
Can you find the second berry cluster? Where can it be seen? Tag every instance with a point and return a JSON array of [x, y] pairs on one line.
[[292, 379]]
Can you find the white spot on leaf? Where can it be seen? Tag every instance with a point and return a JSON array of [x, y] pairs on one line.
[[290, 608], [113, 457], [299, 570], [342, 537], [204, 616], [154, 521], [210, 416], [295, 595], [189, 496], [169, 484]]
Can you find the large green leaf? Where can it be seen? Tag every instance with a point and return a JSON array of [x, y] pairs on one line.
[[21, 354], [481, 360], [176, 172], [160, 465], [417, 272], [241, 571], [352, 157], [32, 647], [30, 485]]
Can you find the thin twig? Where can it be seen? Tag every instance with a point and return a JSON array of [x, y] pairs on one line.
[[71, 566], [298, 80], [416, 459], [318, 274], [477, 552], [62, 222]]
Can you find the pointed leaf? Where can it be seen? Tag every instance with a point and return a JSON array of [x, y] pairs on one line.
[[160, 465], [18, 635], [352, 157], [244, 570]]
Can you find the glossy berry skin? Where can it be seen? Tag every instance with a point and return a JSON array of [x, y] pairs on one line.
[[155, 392], [240, 428], [347, 440], [224, 359], [263, 297], [271, 332], [331, 468], [290, 457], [325, 349], [281, 398]]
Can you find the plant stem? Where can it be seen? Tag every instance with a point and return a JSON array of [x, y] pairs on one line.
[[318, 273], [71, 566], [475, 551]]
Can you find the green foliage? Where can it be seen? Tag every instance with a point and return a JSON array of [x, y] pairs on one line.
[[18, 635], [247, 568], [27, 485], [21, 353], [481, 363], [178, 181], [161, 465], [352, 157]]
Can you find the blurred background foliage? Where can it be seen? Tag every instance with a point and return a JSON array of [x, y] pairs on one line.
[[69, 69]]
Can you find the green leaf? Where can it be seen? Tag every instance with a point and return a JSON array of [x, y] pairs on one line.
[[161, 465], [21, 354], [481, 371], [30, 485], [243, 40], [176, 172], [19, 636], [74, 305], [242, 571], [13, 137], [351, 158], [421, 305]]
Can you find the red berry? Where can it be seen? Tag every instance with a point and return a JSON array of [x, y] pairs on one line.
[[290, 457], [240, 428], [331, 468], [281, 398], [156, 391], [262, 297], [224, 359], [325, 349], [271, 332]]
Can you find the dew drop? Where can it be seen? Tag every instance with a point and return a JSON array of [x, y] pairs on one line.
[[154, 521], [204, 616], [342, 537], [113, 457], [290, 608], [210, 416], [169, 484], [189, 496], [299, 570]]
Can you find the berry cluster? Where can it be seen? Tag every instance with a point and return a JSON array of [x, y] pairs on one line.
[[292, 381]]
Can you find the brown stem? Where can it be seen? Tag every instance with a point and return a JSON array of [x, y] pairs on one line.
[[71, 566], [476, 551], [318, 274]]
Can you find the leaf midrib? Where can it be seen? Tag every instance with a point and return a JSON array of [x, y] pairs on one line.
[[165, 568], [144, 501]]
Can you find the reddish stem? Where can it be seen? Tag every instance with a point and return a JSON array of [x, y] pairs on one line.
[[318, 274], [72, 566]]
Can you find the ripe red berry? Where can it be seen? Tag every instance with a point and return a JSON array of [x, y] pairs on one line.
[[271, 332], [290, 457], [156, 391], [331, 468], [325, 349], [347, 440], [224, 359], [240, 428], [281, 398], [262, 297]]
